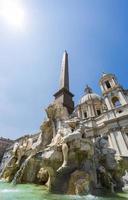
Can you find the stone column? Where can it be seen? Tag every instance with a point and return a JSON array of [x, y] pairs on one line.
[[125, 137], [89, 111], [108, 103], [114, 143], [121, 143], [122, 98], [102, 88], [79, 113], [113, 82], [110, 141]]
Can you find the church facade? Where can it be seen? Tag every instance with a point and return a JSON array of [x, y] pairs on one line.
[[102, 115]]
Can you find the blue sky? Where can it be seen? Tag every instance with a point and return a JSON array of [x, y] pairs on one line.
[[94, 33]]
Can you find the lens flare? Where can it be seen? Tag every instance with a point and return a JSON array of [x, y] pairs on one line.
[[12, 12]]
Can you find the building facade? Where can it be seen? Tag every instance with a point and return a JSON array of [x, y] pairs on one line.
[[106, 114]]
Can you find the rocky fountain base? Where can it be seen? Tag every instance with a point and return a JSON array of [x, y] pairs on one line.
[[64, 159]]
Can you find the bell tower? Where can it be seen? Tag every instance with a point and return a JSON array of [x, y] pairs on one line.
[[112, 91], [64, 95]]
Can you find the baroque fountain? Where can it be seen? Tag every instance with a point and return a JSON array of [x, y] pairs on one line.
[[64, 158]]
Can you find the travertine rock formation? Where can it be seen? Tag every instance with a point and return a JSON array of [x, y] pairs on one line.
[[4, 144], [79, 183]]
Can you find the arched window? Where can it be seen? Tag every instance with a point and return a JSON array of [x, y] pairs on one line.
[[108, 84], [116, 101]]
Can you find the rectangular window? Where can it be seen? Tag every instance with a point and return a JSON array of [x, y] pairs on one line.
[[85, 114]]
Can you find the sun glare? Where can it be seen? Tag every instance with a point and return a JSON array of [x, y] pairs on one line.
[[12, 12]]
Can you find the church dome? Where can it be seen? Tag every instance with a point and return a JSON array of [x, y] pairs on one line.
[[89, 95]]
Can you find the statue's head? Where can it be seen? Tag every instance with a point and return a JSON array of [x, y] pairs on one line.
[[103, 142]]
